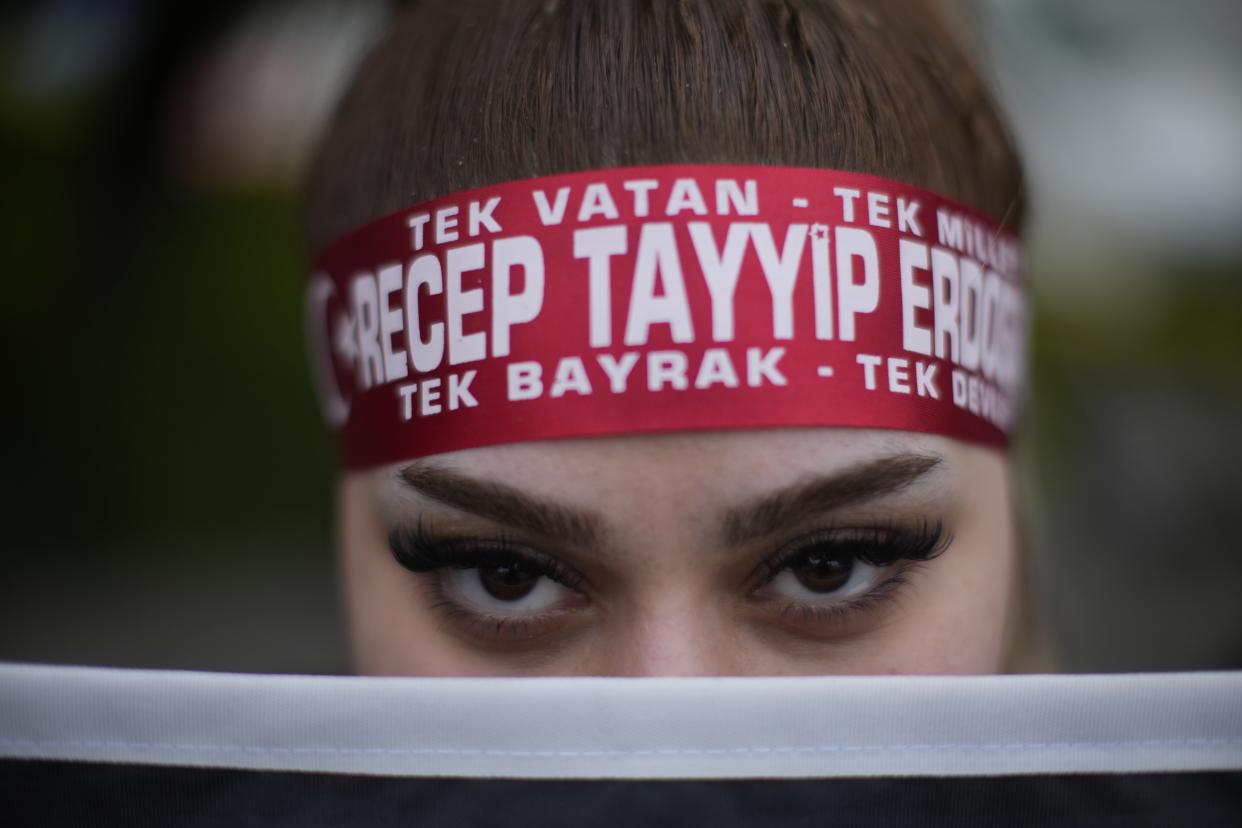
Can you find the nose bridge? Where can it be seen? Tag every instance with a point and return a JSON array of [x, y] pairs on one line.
[[673, 636], [668, 614]]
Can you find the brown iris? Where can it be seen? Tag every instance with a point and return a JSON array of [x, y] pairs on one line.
[[507, 580], [822, 571]]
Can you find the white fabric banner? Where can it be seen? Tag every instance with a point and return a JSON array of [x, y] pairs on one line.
[[600, 728]]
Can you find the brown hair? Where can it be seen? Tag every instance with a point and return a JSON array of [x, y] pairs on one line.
[[463, 93]]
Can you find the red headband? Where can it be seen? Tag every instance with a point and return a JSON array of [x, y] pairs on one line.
[[668, 298]]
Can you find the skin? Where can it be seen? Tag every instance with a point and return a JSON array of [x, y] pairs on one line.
[[668, 586]]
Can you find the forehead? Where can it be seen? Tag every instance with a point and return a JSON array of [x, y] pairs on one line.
[[717, 465]]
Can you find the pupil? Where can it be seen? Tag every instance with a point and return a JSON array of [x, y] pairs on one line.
[[820, 572], [507, 581]]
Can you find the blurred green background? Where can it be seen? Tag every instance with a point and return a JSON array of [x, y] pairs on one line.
[[168, 483]]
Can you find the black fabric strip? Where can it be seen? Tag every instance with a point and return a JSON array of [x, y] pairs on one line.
[[77, 794]]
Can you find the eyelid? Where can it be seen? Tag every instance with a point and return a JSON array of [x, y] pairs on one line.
[[922, 541], [421, 550]]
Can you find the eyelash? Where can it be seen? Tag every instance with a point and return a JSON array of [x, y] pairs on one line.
[[421, 551], [878, 545]]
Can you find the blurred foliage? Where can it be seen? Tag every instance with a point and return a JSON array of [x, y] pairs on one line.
[[1183, 333], [159, 385], [177, 398]]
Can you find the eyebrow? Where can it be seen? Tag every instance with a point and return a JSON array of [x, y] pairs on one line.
[[504, 504], [747, 522], [773, 512]]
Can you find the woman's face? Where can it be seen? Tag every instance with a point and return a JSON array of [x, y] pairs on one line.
[[777, 552]]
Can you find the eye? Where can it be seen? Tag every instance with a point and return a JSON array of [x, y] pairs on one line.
[[491, 588], [837, 576], [823, 574], [504, 586]]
